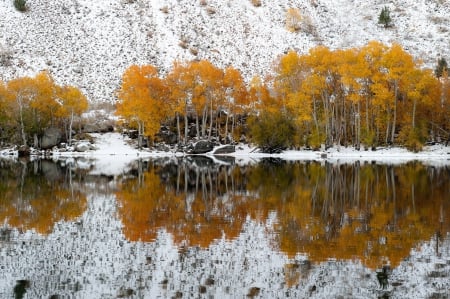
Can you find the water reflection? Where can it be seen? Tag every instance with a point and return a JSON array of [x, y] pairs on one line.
[[35, 195], [197, 227], [369, 212]]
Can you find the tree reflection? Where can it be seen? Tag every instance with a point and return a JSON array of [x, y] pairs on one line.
[[36, 195], [195, 200], [367, 212]]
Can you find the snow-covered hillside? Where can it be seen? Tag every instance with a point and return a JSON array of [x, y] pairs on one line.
[[90, 43]]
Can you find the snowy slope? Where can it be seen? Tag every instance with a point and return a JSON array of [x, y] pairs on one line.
[[90, 43]]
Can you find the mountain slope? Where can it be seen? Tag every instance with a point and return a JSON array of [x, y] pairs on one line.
[[90, 43]]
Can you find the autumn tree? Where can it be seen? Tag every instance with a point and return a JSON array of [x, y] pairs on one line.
[[23, 91], [179, 83], [5, 112], [142, 100], [73, 104], [236, 98], [370, 95]]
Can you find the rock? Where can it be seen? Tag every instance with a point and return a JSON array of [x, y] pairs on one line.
[[51, 138], [100, 127], [82, 147], [24, 151], [202, 147], [167, 137], [162, 148], [50, 170], [226, 149]]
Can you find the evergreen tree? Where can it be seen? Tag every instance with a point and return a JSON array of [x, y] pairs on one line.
[[20, 5], [385, 17], [441, 67]]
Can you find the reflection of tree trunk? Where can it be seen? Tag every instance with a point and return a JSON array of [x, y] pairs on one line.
[[197, 178], [392, 175], [70, 181], [140, 173], [178, 180], [23, 174], [185, 180], [357, 182]]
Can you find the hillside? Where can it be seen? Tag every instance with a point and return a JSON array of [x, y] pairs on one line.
[[90, 43]]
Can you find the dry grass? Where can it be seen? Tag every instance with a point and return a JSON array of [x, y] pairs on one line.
[[293, 19], [164, 9], [210, 10], [256, 3]]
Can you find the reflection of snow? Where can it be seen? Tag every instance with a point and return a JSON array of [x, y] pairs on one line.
[[92, 259], [114, 153]]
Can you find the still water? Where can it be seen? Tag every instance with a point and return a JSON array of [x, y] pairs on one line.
[[198, 228]]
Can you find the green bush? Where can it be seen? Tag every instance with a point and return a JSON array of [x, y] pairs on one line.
[[441, 67], [316, 139], [20, 5], [385, 17], [272, 132], [413, 138]]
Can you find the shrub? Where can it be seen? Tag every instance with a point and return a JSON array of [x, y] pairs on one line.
[[413, 138], [256, 3], [5, 57], [385, 17], [293, 19], [272, 132], [316, 139], [20, 5]]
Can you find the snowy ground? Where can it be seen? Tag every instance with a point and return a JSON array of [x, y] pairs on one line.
[[114, 151]]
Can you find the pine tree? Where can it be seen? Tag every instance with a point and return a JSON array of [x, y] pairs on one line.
[[441, 67], [20, 5], [385, 17]]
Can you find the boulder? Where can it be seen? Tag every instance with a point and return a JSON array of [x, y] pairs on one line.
[[82, 147], [51, 138], [99, 127], [226, 149], [202, 147], [24, 151]]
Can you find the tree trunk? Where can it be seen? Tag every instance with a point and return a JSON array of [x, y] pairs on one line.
[[395, 112], [22, 125], [178, 127], [414, 114], [210, 121], [197, 125], [70, 128], [185, 127]]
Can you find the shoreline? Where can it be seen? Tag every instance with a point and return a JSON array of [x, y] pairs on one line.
[[118, 147]]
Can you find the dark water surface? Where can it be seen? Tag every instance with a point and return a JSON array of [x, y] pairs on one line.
[[198, 228]]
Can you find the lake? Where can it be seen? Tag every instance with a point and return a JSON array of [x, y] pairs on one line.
[[197, 227]]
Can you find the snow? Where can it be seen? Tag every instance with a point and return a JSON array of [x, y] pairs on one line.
[[114, 153], [90, 43]]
